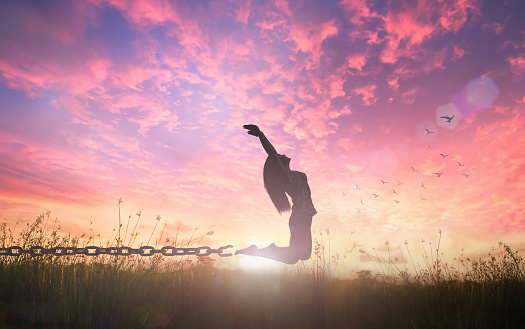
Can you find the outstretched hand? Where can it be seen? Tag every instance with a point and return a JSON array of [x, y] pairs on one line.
[[252, 130]]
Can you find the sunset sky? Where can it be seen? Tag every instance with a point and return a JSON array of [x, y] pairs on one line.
[[145, 100]]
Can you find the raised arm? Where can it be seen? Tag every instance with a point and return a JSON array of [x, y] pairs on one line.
[[268, 147]]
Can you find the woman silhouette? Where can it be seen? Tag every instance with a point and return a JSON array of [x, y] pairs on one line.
[[279, 180]]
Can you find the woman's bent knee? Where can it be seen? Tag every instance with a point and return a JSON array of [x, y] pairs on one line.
[[303, 254]]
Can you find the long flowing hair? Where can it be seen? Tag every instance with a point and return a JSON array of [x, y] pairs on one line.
[[275, 184]]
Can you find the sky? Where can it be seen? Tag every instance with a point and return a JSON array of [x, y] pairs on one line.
[[138, 106]]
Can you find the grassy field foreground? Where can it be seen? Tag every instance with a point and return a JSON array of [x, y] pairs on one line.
[[160, 292]]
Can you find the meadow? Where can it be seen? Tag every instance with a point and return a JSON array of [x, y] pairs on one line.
[[103, 291]]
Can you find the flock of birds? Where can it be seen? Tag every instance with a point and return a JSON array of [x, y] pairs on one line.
[[392, 192]]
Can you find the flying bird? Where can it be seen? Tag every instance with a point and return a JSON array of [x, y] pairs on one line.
[[444, 155], [375, 195], [430, 147], [428, 131], [399, 182], [466, 175], [438, 174], [343, 193], [396, 201], [423, 185], [413, 169], [460, 164], [394, 191], [361, 201], [382, 181], [358, 211], [422, 199], [448, 118], [357, 187]]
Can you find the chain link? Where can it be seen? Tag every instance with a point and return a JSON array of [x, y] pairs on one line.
[[114, 251]]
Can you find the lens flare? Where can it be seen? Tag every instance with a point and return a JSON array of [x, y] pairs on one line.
[[482, 92], [479, 94], [448, 116]]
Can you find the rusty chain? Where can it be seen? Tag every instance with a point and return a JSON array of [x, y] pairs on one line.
[[114, 251]]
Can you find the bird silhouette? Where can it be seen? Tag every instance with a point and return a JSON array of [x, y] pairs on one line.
[[343, 193], [444, 155], [423, 185], [413, 169], [422, 199], [399, 182], [375, 195], [394, 191], [357, 187], [396, 201], [448, 118], [460, 164], [358, 211], [382, 181], [438, 174], [428, 131], [361, 201], [430, 147], [466, 175]]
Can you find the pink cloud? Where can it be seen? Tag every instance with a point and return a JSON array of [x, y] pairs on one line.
[[359, 10], [434, 60], [367, 93], [45, 53], [405, 29], [517, 65], [283, 6], [270, 24], [145, 12], [458, 53], [346, 144], [408, 96], [402, 72], [310, 38], [336, 88], [243, 12], [454, 14], [393, 82], [35, 170], [413, 25], [133, 76], [357, 61], [62, 24], [33, 76], [334, 113], [498, 28]]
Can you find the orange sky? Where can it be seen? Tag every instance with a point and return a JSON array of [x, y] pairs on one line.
[[145, 101]]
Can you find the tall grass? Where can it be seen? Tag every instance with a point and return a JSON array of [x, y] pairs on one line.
[[187, 292]]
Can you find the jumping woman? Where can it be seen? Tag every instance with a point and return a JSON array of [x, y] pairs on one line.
[[279, 180]]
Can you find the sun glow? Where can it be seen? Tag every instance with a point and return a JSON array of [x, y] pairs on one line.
[[258, 264]]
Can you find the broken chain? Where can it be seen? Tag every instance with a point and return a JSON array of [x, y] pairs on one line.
[[114, 251]]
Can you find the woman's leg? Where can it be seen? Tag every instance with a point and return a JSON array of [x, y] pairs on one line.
[[300, 243], [251, 250], [301, 237]]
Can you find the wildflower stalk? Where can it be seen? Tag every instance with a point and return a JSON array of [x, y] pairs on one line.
[[119, 223], [156, 222]]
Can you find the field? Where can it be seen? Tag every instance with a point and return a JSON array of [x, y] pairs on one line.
[[188, 292]]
